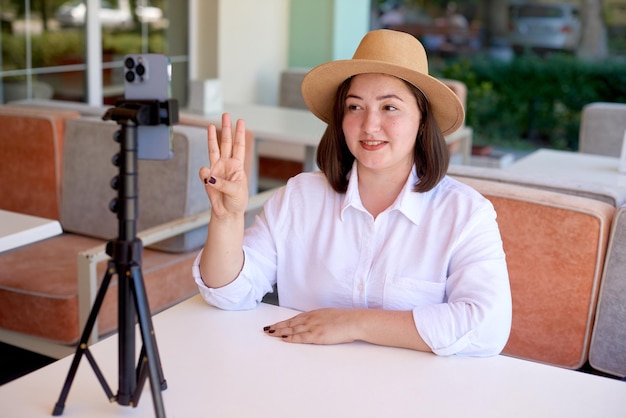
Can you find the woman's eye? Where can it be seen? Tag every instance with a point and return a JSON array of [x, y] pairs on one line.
[[352, 107], [390, 107]]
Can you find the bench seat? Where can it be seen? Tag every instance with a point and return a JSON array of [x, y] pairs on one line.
[[555, 246]]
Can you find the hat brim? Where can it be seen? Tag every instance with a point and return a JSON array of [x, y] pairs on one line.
[[320, 85]]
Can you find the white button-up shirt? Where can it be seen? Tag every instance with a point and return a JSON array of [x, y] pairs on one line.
[[438, 254]]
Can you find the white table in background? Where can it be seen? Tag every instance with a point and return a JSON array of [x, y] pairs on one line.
[[221, 364], [276, 124], [299, 127], [282, 124], [17, 229], [590, 168]]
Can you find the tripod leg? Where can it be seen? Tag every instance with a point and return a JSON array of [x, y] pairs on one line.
[[141, 363], [155, 372], [82, 344], [99, 375], [126, 351], [142, 375]]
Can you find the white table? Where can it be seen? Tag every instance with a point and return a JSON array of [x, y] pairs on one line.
[[589, 168], [220, 364], [282, 124], [575, 167], [299, 127], [276, 124], [17, 229]]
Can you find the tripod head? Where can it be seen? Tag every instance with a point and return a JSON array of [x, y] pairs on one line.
[[144, 112], [134, 115]]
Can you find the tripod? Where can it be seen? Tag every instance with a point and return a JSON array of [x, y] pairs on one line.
[[126, 263]]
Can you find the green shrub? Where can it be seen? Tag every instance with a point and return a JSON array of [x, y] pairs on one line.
[[47, 49], [533, 101], [57, 48], [131, 42]]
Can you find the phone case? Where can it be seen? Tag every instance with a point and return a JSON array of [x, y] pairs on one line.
[[148, 77]]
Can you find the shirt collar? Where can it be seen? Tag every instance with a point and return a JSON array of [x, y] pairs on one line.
[[352, 198], [408, 202]]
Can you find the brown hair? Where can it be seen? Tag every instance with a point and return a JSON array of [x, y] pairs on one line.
[[430, 152]]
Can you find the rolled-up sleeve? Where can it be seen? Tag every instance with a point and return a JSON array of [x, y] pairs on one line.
[[258, 274], [240, 294], [476, 316]]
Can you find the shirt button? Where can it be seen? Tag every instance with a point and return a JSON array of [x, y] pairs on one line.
[[360, 288]]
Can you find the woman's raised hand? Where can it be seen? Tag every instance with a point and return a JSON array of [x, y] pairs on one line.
[[225, 180]]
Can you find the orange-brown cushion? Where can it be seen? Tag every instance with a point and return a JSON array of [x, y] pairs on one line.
[[39, 287], [31, 144], [555, 246]]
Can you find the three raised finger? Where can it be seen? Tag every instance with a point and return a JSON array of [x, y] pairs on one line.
[[214, 147], [225, 147], [239, 146], [226, 142]]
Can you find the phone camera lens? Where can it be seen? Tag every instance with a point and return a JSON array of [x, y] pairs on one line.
[[141, 70], [130, 76], [129, 62]]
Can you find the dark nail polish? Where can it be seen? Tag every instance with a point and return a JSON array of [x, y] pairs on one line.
[[272, 331], [206, 181], [212, 180], [283, 336], [266, 328]]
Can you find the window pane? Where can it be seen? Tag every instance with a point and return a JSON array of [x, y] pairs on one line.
[[44, 46]]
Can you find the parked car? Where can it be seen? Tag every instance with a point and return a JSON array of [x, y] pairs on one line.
[[544, 27], [73, 14], [149, 14]]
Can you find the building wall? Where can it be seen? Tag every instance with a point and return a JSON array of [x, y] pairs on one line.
[[352, 22], [310, 32], [243, 43], [325, 30], [248, 43]]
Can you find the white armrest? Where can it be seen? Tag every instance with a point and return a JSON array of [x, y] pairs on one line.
[[89, 259]]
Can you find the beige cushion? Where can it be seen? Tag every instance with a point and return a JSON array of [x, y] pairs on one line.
[[290, 90], [168, 190], [608, 344], [602, 127]]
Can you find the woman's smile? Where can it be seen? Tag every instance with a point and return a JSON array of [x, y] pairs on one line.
[[373, 145]]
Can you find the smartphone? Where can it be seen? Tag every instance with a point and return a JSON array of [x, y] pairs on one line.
[[149, 77]]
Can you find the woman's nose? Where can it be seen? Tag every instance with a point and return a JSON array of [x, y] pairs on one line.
[[371, 123]]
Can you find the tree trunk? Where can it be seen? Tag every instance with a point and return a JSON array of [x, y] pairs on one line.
[[494, 15], [594, 43]]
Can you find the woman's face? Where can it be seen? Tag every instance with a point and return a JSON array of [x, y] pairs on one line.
[[381, 122]]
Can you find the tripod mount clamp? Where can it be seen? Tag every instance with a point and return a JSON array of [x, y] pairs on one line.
[[144, 112]]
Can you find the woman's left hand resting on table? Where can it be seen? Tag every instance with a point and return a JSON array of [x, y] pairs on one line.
[[336, 326]]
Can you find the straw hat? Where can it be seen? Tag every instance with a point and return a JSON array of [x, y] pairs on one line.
[[388, 52]]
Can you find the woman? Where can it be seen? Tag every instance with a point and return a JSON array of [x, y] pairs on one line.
[[379, 246]]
